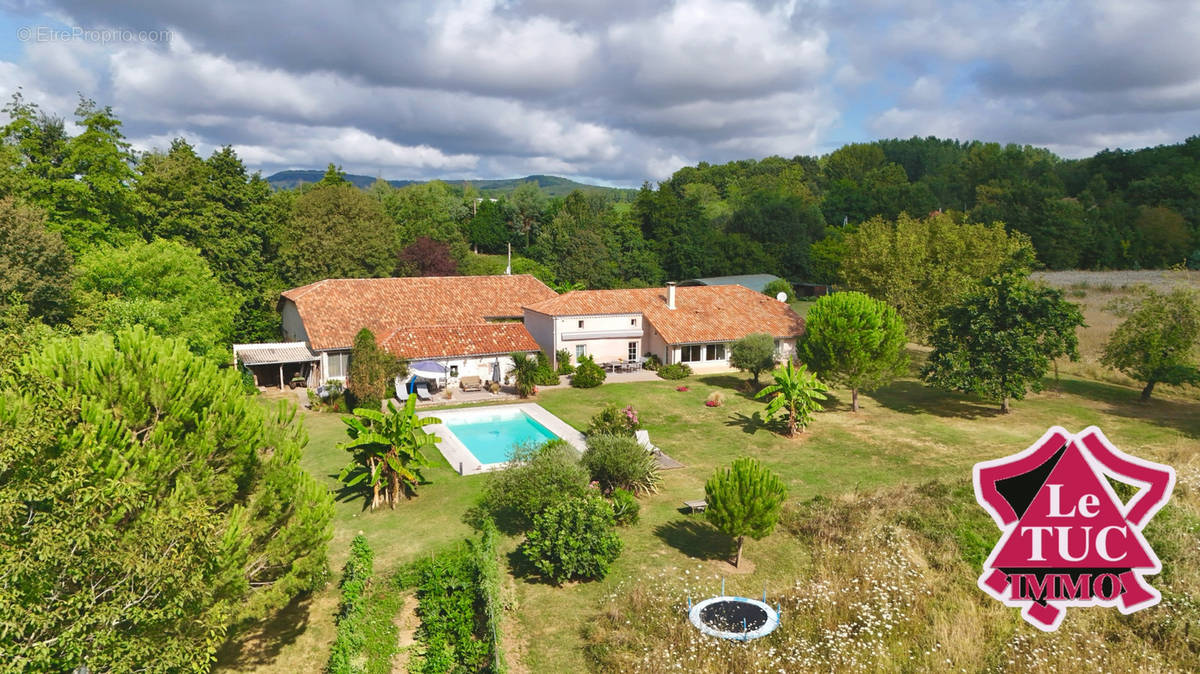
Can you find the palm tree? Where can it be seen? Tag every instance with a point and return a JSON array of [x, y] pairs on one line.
[[524, 373], [797, 391], [388, 446]]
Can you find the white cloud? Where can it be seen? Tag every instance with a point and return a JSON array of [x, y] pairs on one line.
[[473, 42], [619, 91], [710, 48]]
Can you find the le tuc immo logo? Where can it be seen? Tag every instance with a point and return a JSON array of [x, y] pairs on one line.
[[1068, 539]]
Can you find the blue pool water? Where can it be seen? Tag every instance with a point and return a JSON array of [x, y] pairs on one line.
[[491, 436]]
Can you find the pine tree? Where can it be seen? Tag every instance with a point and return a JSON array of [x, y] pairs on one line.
[[744, 500], [856, 341]]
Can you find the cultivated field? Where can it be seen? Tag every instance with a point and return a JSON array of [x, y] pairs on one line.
[[878, 574], [1095, 291]]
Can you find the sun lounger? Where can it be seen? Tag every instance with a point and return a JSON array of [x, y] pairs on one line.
[[696, 506], [470, 384], [643, 439], [422, 391]]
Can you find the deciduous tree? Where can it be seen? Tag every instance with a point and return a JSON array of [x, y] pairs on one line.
[[998, 341], [165, 286], [754, 353], [921, 266], [1159, 339], [335, 231], [35, 266]]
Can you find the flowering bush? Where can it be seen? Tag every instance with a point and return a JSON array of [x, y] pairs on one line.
[[715, 399], [682, 389], [614, 421], [711, 403], [631, 416]]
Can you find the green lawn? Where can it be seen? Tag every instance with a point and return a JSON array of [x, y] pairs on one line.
[[905, 434]]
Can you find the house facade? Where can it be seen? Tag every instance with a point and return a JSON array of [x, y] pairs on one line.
[[693, 325], [467, 324]]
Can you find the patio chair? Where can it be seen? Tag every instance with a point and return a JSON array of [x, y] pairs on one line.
[[643, 439], [422, 391], [470, 384]]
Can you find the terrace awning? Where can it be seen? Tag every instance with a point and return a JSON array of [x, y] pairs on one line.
[[273, 354]]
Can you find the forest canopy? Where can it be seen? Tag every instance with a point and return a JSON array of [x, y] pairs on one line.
[[797, 218]]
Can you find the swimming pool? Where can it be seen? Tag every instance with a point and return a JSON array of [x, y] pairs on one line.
[[481, 439], [491, 437]]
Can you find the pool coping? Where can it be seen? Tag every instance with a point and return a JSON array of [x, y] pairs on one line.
[[464, 462]]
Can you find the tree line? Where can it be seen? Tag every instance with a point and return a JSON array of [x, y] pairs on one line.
[[87, 222]]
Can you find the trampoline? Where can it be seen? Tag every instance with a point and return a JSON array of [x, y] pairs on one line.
[[734, 618]]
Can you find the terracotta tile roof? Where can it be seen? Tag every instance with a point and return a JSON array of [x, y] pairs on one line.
[[459, 340], [701, 314], [334, 310]]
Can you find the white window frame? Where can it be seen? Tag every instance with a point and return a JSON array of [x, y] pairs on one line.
[[711, 351], [633, 352], [341, 357], [683, 353], [580, 352]]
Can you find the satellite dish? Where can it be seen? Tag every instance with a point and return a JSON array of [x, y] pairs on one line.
[[782, 296]]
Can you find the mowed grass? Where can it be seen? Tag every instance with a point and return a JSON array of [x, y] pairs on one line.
[[906, 434]]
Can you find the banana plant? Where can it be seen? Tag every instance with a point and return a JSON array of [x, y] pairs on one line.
[[388, 450], [795, 391]]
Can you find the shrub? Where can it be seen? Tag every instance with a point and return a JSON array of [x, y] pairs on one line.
[[613, 420], [777, 286], [487, 583], [349, 642], [574, 539], [564, 362], [753, 353], [652, 362], [619, 462], [588, 374], [544, 375], [331, 396], [682, 389], [715, 399], [625, 508], [541, 477], [675, 371]]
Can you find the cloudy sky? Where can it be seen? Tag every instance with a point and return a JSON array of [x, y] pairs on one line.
[[612, 91]]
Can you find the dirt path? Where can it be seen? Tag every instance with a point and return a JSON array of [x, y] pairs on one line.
[[407, 622]]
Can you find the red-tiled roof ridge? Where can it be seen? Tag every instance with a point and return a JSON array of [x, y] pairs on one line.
[[334, 310], [702, 313], [488, 339]]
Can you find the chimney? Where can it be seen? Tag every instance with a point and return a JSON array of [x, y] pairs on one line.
[[670, 294]]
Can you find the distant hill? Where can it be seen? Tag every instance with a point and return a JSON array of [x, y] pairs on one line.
[[553, 186]]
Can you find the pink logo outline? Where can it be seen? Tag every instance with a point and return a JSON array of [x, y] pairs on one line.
[[1154, 481]]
